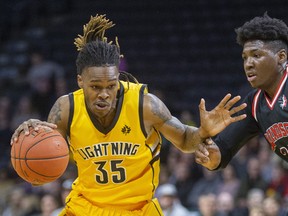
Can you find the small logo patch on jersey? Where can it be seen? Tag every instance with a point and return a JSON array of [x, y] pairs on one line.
[[126, 130], [282, 101]]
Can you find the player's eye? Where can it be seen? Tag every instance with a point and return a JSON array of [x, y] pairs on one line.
[[95, 87], [111, 86]]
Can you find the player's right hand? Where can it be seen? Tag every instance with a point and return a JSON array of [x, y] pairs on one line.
[[34, 123]]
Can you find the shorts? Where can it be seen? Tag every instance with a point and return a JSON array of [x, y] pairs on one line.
[[77, 205]]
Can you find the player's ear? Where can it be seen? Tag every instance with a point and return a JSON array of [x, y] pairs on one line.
[[80, 81], [282, 54]]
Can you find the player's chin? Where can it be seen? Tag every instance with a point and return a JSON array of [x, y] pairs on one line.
[[102, 112], [254, 85]]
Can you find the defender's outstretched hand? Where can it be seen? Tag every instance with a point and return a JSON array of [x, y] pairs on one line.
[[35, 123], [216, 120]]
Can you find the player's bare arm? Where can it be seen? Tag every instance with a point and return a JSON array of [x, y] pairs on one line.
[[59, 114], [186, 137], [57, 119], [157, 115]]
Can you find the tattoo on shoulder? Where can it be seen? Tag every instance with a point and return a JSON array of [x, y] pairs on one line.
[[55, 113], [159, 110]]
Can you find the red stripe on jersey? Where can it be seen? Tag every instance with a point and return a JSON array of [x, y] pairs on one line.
[[254, 104], [279, 89]]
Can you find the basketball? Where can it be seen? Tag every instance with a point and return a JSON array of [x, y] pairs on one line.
[[41, 157]]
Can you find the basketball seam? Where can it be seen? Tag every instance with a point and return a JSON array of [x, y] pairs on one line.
[[42, 158], [28, 149], [20, 164]]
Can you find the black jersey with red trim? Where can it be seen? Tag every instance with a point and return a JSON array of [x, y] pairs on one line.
[[264, 116]]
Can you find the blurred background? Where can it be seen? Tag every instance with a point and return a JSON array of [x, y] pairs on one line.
[[184, 50]]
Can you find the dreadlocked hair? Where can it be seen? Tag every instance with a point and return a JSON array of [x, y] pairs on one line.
[[94, 50], [94, 29], [266, 29], [127, 77]]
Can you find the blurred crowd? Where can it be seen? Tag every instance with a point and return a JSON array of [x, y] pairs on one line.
[[255, 183], [30, 95]]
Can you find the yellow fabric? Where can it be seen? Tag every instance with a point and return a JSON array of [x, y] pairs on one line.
[[77, 205], [115, 169]]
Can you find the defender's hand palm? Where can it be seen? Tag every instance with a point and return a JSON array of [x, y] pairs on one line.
[[216, 120]]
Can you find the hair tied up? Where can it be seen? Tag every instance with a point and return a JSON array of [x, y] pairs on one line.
[[94, 30]]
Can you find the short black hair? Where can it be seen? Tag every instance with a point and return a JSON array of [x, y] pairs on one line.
[[266, 29]]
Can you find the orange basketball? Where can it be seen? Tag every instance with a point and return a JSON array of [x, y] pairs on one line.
[[41, 157]]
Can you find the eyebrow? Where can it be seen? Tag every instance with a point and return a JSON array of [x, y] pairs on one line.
[[253, 50], [110, 80]]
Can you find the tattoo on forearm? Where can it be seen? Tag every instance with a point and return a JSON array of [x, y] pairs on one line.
[[55, 113], [175, 124]]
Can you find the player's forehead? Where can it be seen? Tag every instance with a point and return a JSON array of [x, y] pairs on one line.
[[98, 74], [253, 45], [257, 45]]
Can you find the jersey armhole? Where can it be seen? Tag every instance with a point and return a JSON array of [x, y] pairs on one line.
[[71, 113], [143, 90]]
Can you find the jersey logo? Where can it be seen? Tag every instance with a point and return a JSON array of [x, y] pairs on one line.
[[283, 101], [126, 130], [276, 132]]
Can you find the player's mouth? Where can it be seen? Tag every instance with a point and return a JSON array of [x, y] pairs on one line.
[[102, 105], [251, 77]]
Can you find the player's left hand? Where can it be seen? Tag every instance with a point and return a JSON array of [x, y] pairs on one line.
[[216, 120], [35, 123], [208, 154]]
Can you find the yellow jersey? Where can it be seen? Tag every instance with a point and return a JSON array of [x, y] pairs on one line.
[[118, 165]]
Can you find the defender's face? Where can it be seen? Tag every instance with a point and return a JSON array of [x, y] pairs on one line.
[[261, 65], [100, 86]]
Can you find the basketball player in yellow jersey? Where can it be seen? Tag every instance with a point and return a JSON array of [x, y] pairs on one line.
[[113, 128]]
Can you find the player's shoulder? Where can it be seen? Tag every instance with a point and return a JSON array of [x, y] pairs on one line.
[[60, 112], [133, 86], [150, 99], [155, 112], [63, 98], [154, 105], [252, 94], [63, 103]]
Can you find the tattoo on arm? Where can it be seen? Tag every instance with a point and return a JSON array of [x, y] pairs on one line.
[[174, 124], [55, 113], [158, 110], [161, 111]]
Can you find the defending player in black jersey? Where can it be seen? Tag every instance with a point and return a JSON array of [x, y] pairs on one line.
[[264, 41]]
